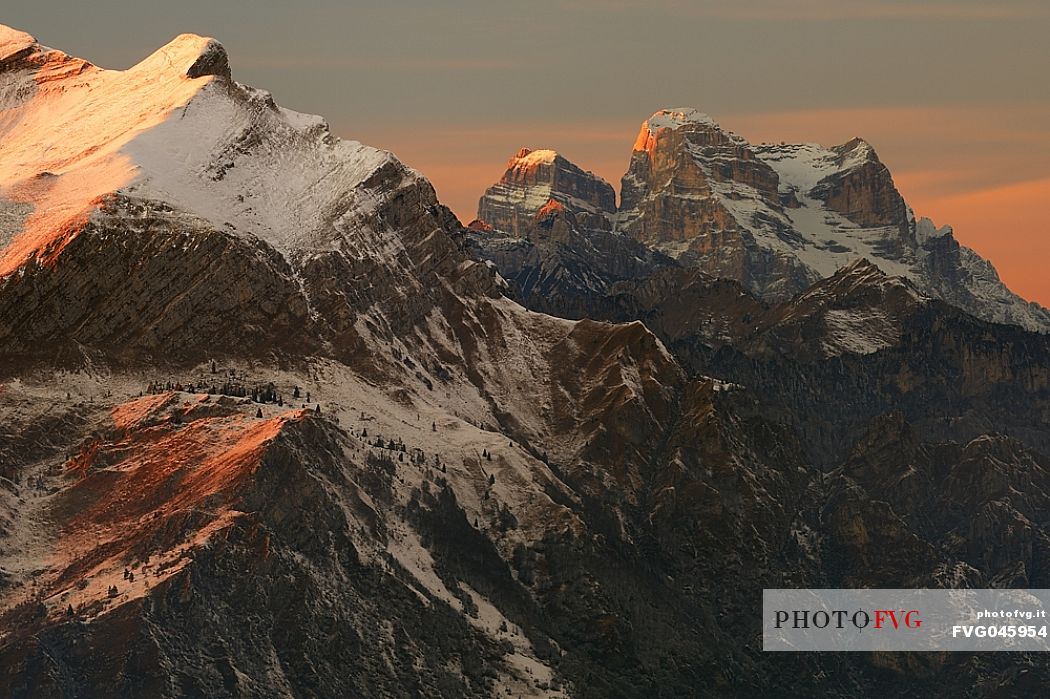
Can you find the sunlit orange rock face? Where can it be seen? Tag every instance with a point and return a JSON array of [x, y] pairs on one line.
[[675, 196], [549, 210], [169, 475], [667, 194], [64, 124]]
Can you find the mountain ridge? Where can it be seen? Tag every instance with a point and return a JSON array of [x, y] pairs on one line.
[[779, 217], [272, 424]]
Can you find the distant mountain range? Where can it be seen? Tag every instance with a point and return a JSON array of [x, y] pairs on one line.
[[776, 218]]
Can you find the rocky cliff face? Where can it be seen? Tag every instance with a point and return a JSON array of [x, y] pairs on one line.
[[546, 226], [674, 199], [559, 266], [667, 178], [172, 287], [818, 208], [861, 188]]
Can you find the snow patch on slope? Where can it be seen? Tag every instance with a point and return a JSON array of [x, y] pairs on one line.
[[829, 241], [254, 169], [858, 331]]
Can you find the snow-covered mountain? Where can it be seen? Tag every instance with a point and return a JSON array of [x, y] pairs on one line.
[[173, 128], [269, 428], [172, 232], [777, 218], [178, 163], [546, 225]]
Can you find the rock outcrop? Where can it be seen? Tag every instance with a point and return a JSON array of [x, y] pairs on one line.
[[861, 188], [538, 179]]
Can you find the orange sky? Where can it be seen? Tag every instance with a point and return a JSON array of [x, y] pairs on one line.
[[982, 169]]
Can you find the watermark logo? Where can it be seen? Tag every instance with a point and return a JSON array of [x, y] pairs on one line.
[[908, 620]]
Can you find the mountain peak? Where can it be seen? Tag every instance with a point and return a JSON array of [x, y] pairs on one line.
[[684, 119], [172, 128], [862, 276], [855, 143], [853, 152], [190, 55], [535, 178], [99, 113], [862, 265], [528, 158], [679, 116]]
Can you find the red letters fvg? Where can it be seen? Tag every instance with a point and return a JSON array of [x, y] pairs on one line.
[[909, 618]]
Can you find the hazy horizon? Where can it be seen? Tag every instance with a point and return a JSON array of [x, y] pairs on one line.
[[953, 95]]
